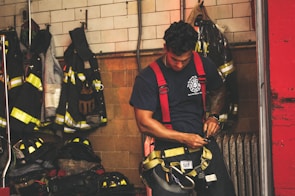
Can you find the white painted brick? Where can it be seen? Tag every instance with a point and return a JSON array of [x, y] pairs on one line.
[[244, 36], [219, 2], [241, 9], [133, 34], [20, 7], [8, 10], [126, 46], [74, 3], [149, 32], [101, 48], [69, 26], [152, 44], [164, 5], [155, 18], [34, 6], [80, 14], [101, 24], [174, 16], [62, 15], [161, 30], [219, 12], [118, 9], [148, 6], [59, 51], [46, 5], [94, 12], [93, 37], [56, 28], [116, 35], [132, 8], [229, 36], [235, 24], [125, 21], [99, 2], [193, 3], [62, 40], [41, 17], [7, 22]]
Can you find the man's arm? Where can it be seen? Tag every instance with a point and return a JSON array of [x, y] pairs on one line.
[[149, 126], [217, 98]]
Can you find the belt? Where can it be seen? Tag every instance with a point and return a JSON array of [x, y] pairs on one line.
[[156, 156]]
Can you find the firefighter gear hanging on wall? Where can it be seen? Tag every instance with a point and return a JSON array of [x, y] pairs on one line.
[[14, 62], [212, 43], [27, 113], [81, 105]]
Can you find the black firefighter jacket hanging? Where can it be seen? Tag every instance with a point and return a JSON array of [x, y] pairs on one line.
[[213, 44], [38, 99], [14, 65], [81, 105], [52, 99]]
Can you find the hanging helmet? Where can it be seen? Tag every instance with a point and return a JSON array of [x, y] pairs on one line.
[[29, 150], [114, 182]]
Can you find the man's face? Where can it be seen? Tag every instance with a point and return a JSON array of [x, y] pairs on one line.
[[177, 63]]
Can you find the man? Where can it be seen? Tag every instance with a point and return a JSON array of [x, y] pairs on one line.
[[188, 128]]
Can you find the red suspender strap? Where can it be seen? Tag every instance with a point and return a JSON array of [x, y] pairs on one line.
[[163, 88], [163, 95], [201, 76]]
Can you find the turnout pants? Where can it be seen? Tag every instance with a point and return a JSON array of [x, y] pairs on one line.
[[216, 180]]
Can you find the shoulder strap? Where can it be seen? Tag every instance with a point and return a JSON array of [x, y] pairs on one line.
[[163, 88], [201, 76], [163, 94]]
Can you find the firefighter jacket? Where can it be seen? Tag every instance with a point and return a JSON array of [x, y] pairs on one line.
[[43, 73], [81, 106], [213, 44], [14, 71]]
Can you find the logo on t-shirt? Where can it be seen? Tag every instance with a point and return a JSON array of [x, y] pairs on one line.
[[194, 86]]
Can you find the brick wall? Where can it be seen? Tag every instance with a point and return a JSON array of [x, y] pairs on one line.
[[112, 26]]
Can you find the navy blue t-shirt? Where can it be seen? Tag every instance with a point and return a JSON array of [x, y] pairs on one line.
[[184, 94]]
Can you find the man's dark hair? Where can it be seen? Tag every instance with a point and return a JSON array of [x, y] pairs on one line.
[[180, 37]]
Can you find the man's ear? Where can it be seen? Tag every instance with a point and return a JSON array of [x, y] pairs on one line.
[[165, 48]]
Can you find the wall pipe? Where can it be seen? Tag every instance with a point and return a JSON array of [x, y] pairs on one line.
[[139, 16], [182, 10], [264, 99], [7, 112]]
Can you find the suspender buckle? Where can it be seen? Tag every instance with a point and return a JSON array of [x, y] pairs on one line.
[[163, 89]]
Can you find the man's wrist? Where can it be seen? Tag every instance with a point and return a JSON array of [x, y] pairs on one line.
[[215, 116]]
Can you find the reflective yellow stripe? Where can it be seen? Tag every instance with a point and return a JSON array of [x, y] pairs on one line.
[[72, 123], [227, 68], [24, 117], [14, 82], [81, 76], [35, 81], [59, 119], [2, 122]]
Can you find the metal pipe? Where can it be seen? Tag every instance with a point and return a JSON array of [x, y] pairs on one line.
[[30, 23], [7, 112], [264, 99], [182, 10]]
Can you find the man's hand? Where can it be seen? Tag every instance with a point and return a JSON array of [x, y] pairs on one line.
[[211, 127], [194, 140]]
